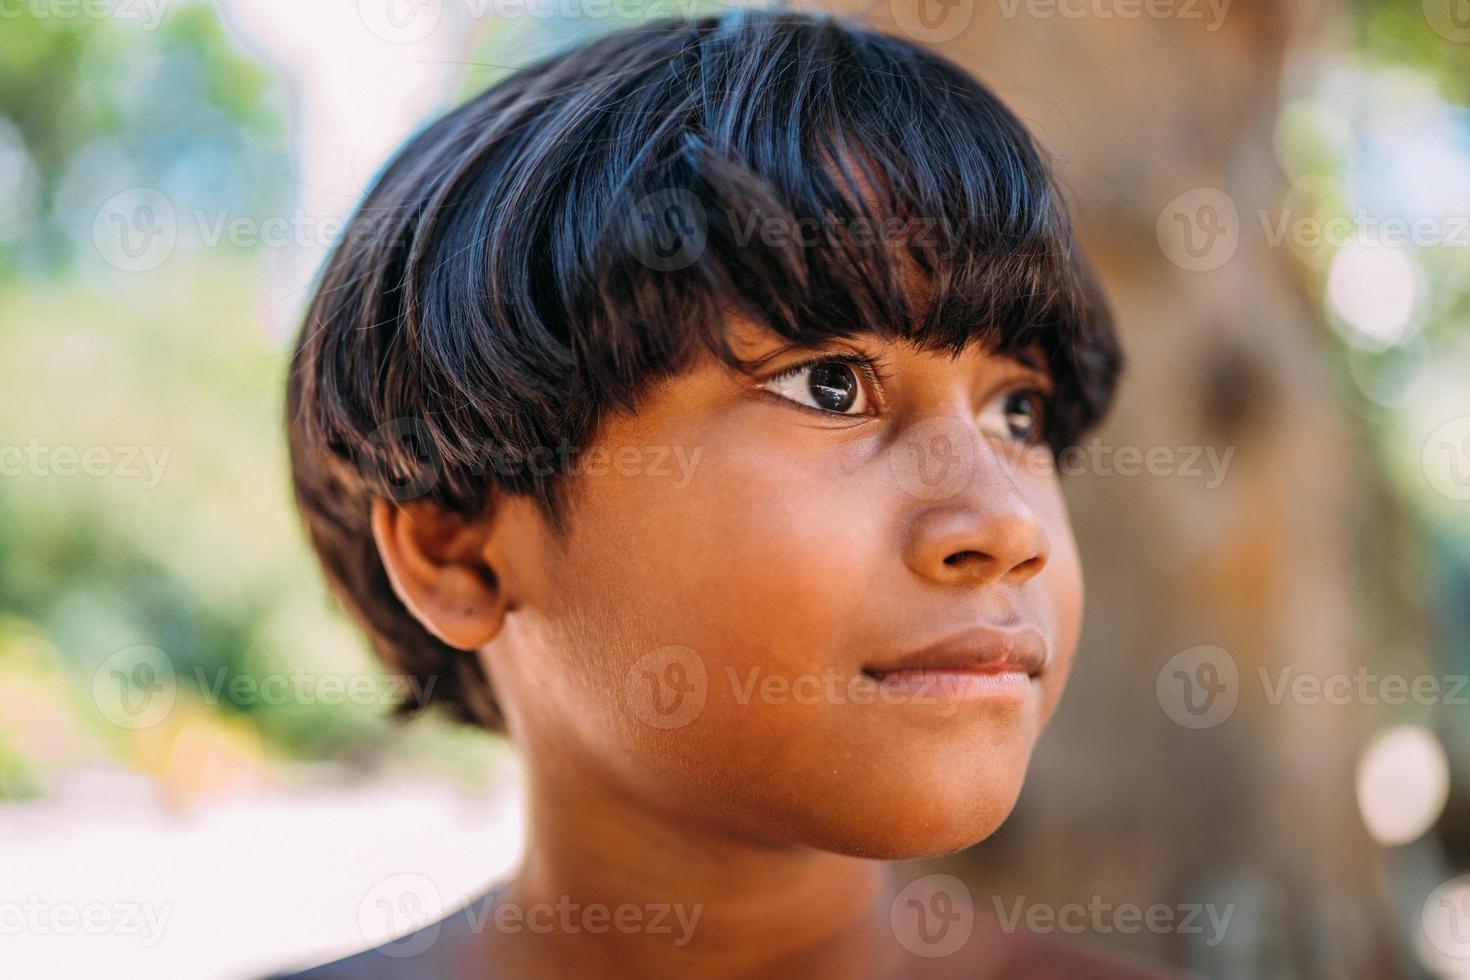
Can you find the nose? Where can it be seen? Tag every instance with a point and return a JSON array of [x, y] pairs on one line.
[[987, 532]]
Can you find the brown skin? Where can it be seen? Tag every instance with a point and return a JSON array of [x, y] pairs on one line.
[[803, 544]]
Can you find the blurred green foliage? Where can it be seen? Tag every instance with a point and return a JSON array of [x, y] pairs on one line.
[[1398, 32], [90, 94], [201, 556]]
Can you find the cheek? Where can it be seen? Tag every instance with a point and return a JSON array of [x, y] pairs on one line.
[[1059, 585], [690, 607], [760, 568]]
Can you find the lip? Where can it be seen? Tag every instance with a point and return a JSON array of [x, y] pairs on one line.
[[985, 650]]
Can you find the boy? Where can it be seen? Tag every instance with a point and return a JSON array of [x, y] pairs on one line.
[[684, 408]]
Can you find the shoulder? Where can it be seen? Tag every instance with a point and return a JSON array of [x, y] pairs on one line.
[[441, 950]]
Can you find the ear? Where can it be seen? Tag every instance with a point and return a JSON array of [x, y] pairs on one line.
[[439, 565]]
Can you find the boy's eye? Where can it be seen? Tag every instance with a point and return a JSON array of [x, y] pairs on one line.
[[829, 386], [1017, 415]]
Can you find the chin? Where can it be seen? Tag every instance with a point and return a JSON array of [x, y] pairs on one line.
[[888, 784], [924, 812]]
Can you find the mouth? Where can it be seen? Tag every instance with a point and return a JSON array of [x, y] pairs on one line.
[[982, 662]]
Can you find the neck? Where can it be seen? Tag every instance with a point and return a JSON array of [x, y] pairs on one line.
[[631, 891]]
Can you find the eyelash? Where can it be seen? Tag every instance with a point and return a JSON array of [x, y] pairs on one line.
[[1037, 435], [877, 377]]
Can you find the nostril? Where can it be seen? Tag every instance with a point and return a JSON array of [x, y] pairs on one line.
[[1030, 566], [960, 556]]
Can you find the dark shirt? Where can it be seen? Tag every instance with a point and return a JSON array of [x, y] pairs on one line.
[[446, 950], [437, 951]]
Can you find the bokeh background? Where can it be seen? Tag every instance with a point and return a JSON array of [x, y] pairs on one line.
[[1270, 717]]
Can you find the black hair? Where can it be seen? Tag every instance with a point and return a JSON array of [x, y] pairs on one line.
[[535, 258]]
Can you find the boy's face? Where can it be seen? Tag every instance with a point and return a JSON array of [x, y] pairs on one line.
[[801, 605]]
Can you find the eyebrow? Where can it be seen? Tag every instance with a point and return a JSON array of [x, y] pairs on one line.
[[1030, 357]]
